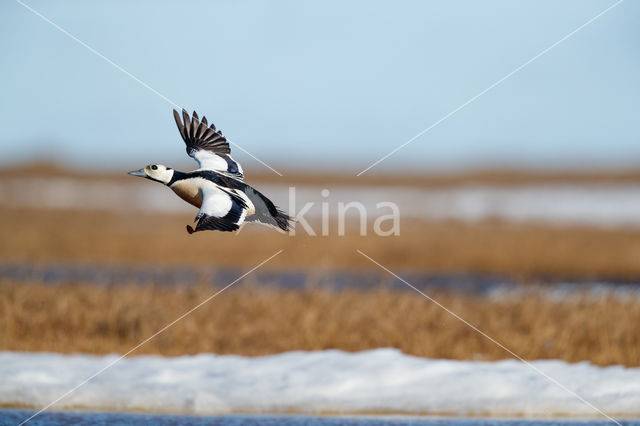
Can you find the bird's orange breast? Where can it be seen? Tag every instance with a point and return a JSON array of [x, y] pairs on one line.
[[188, 192]]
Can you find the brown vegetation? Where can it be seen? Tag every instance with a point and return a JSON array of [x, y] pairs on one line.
[[258, 321], [494, 247], [254, 321]]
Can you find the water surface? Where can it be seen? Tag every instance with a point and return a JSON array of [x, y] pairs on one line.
[[60, 418]]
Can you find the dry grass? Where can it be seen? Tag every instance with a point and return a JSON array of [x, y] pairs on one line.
[[493, 247], [95, 319], [257, 321]]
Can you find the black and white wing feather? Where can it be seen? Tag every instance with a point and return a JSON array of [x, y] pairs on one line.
[[221, 210], [207, 145]]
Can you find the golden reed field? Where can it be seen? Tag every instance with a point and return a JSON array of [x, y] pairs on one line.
[[258, 321], [526, 251], [253, 321]]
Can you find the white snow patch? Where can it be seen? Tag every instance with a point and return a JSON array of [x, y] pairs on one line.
[[381, 380]]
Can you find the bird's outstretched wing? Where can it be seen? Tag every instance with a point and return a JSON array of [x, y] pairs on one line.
[[207, 145], [221, 210]]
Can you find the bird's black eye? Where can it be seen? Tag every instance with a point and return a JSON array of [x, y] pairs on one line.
[[154, 167]]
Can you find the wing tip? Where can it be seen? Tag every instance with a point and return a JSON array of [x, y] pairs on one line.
[[200, 134]]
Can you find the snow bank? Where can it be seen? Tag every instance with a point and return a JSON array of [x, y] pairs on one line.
[[377, 380]]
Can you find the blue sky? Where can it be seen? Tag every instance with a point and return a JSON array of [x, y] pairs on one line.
[[326, 85]]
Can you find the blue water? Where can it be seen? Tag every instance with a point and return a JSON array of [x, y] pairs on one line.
[[470, 283], [60, 418]]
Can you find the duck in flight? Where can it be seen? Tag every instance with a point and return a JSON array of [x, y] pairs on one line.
[[217, 187]]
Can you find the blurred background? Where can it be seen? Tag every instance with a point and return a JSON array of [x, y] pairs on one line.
[[525, 201], [329, 87]]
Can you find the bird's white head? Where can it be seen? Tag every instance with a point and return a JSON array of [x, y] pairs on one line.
[[157, 172]]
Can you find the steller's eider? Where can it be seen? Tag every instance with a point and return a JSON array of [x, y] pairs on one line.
[[217, 187]]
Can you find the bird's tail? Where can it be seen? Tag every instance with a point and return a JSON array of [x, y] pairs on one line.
[[266, 212], [284, 221]]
